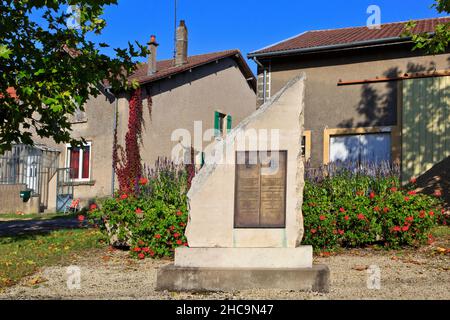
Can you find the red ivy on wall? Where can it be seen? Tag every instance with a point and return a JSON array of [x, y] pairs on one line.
[[128, 166]]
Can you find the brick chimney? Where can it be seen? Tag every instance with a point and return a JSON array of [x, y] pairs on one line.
[[152, 56], [181, 45]]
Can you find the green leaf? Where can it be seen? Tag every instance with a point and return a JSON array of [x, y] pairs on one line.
[[5, 52]]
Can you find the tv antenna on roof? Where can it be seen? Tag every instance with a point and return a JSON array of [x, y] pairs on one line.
[[175, 32]]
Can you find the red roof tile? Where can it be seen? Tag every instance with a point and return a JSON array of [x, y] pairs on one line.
[[322, 38], [166, 68]]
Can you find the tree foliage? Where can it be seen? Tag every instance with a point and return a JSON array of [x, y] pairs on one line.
[[436, 42], [47, 55]]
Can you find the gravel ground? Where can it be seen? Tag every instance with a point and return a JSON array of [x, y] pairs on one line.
[[110, 274]]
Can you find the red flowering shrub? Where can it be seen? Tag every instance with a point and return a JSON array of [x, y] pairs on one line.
[[152, 222], [354, 210]]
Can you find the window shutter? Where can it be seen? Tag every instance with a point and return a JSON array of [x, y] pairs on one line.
[[217, 124], [229, 123]]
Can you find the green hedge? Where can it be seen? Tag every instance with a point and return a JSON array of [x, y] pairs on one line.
[[355, 210]]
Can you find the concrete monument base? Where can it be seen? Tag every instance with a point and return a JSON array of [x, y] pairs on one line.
[[173, 278], [254, 258]]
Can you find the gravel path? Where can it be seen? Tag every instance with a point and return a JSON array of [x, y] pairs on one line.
[[110, 274]]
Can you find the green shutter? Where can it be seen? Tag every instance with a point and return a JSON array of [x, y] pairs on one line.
[[217, 124], [425, 127], [229, 123]]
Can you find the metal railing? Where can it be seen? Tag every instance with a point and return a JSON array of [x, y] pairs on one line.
[[31, 166]]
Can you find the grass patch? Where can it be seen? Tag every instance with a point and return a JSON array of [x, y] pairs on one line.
[[22, 256], [35, 216], [441, 232]]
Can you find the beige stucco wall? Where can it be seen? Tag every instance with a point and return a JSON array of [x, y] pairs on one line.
[[177, 103], [98, 129], [329, 106], [188, 97], [10, 201]]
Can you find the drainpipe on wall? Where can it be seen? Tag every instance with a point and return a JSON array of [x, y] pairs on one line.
[[264, 78]]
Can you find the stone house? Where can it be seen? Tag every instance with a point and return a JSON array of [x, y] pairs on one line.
[[216, 89], [368, 96]]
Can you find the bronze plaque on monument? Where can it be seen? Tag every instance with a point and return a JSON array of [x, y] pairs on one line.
[[260, 189]]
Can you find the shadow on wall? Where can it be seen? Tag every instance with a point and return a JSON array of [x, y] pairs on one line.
[[426, 112], [437, 178]]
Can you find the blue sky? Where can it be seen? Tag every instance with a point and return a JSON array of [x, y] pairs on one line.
[[243, 24]]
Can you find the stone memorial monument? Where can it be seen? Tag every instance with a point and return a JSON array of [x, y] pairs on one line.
[[245, 223]]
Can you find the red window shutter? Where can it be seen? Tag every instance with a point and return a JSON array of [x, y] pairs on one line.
[[86, 161], [74, 163]]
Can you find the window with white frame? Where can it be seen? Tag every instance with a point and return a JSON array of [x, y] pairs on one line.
[[357, 148], [79, 162]]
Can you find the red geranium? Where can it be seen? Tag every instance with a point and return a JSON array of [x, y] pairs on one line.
[[372, 195], [394, 189], [322, 218], [342, 210], [185, 244], [407, 199], [179, 213], [313, 231], [176, 235], [361, 216], [182, 224], [346, 218], [431, 214], [158, 236], [438, 193], [146, 250], [413, 180], [139, 211], [124, 196], [341, 232], [405, 228], [93, 207], [141, 256], [81, 218], [137, 249], [386, 210], [179, 242], [422, 214], [143, 181], [396, 228], [377, 209]]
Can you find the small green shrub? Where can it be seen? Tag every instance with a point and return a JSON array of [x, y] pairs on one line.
[[354, 209], [153, 222]]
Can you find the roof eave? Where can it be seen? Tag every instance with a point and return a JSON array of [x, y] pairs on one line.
[[245, 69], [337, 47]]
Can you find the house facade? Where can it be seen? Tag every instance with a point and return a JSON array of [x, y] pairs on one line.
[[216, 90], [369, 97]]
